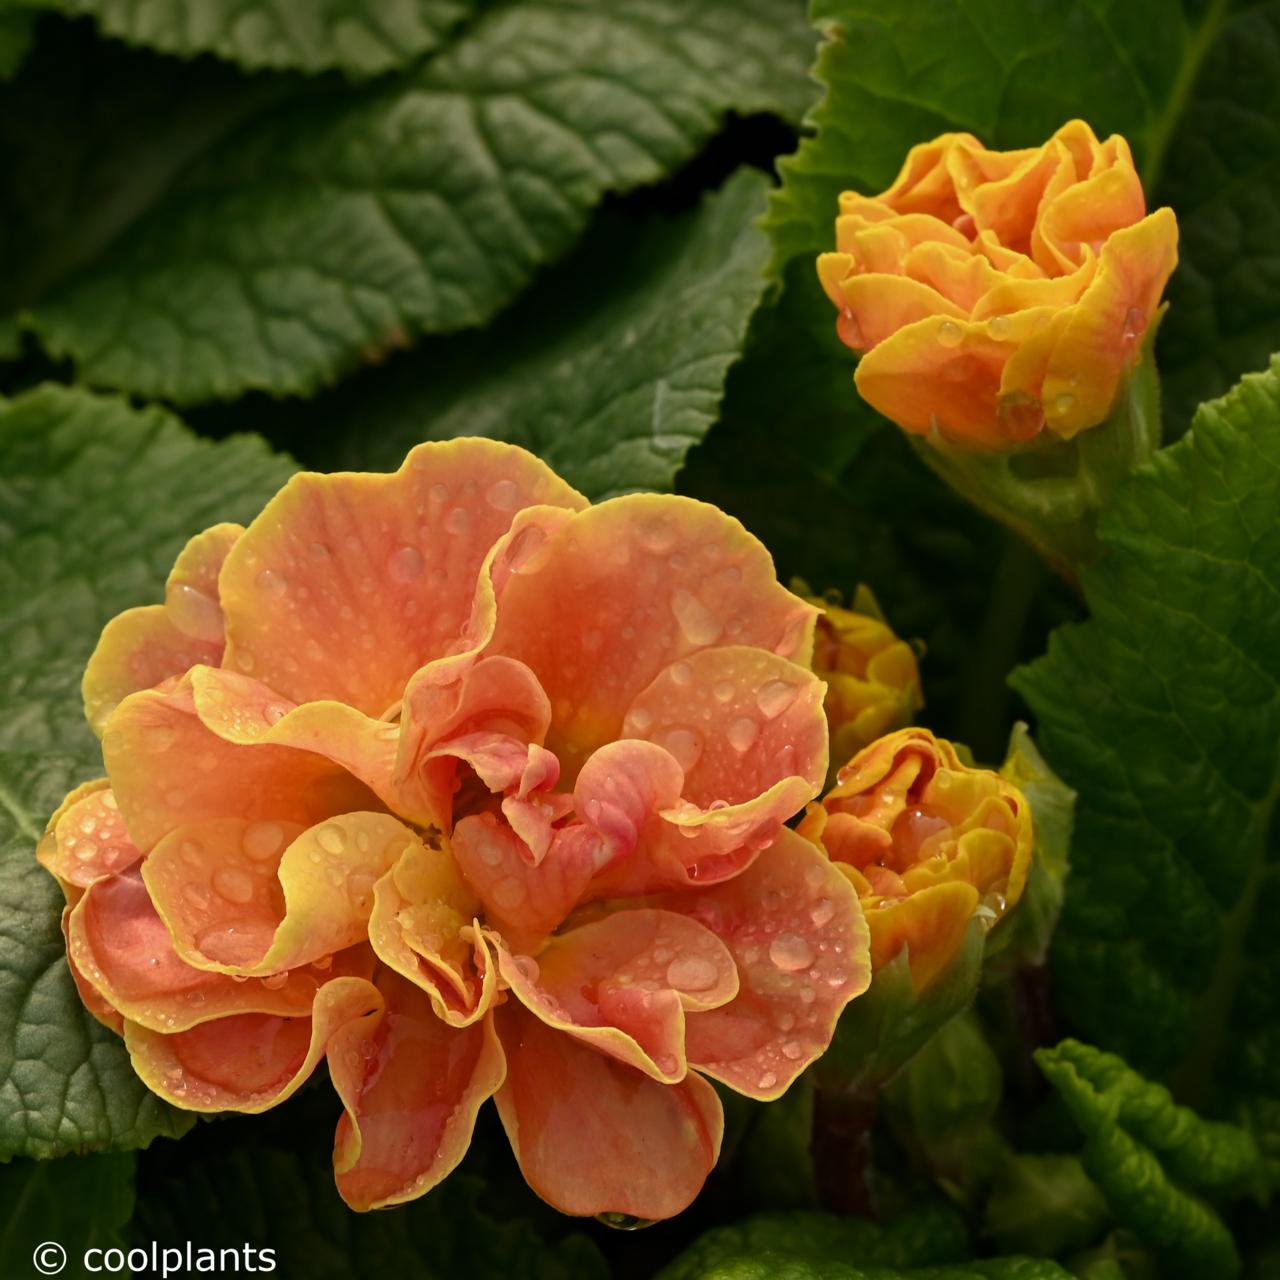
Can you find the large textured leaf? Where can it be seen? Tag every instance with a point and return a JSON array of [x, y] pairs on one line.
[[1163, 712], [95, 501], [360, 38], [1192, 85], [609, 369], [329, 232], [1151, 1157]]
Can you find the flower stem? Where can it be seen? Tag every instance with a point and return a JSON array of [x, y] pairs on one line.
[[841, 1148]]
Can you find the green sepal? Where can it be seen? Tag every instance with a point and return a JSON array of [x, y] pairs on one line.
[[881, 1031], [1149, 1157], [1051, 491]]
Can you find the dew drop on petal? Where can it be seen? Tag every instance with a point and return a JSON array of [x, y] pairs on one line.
[[233, 884], [274, 712], [724, 691], [244, 661], [331, 839], [998, 327], [508, 893], [271, 582], [274, 981], [196, 896], [1064, 403], [503, 495], [193, 612], [406, 564], [527, 967], [640, 720], [699, 625], [950, 334], [823, 912], [319, 551], [262, 839], [768, 1080], [1135, 324], [668, 1064], [691, 973], [458, 520], [790, 952], [792, 1050], [742, 733], [775, 697], [684, 744]]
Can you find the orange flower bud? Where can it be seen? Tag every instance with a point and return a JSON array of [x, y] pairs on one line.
[[997, 294], [928, 842], [873, 680]]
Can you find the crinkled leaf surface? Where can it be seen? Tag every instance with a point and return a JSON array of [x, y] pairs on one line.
[[325, 234], [1163, 712], [1190, 83], [1140, 1146], [360, 38], [96, 499], [609, 369], [81, 1202]]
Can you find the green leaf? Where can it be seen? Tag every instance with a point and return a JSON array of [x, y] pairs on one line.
[[1163, 712], [17, 33], [610, 386], [260, 1183], [1192, 85], [96, 499], [922, 1236], [1140, 1146], [330, 232], [78, 1202], [1044, 1205], [361, 39]]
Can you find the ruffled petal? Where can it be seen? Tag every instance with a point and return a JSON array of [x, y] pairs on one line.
[[143, 647], [593, 1135], [796, 931], [256, 899], [379, 566], [86, 839], [424, 926], [248, 1062], [624, 983], [120, 946], [411, 1086], [624, 589], [168, 768], [930, 923]]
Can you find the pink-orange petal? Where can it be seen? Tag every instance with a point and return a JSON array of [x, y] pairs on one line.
[[593, 1135], [249, 1061], [255, 899], [623, 984], [796, 930], [169, 769], [143, 647], [383, 567], [119, 945], [424, 926], [411, 1086], [87, 839], [625, 588]]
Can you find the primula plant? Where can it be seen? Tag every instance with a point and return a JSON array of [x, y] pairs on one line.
[[640, 639]]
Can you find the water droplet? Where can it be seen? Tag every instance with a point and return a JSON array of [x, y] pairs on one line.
[[272, 582], [262, 839], [274, 981], [681, 674], [792, 1050], [684, 744], [998, 327], [193, 612], [490, 852], [191, 852], [458, 520], [790, 952], [640, 721], [668, 1064], [823, 912], [742, 733], [527, 967], [1135, 324], [768, 1080], [508, 893], [786, 1020], [775, 697], [950, 334], [244, 661], [160, 738], [109, 801], [1064, 403], [195, 997], [406, 564], [233, 884], [699, 624], [1020, 416], [319, 551], [332, 839], [274, 712], [691, 973], [196, 895], [324, 963], [724, 691], [503, 495]]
